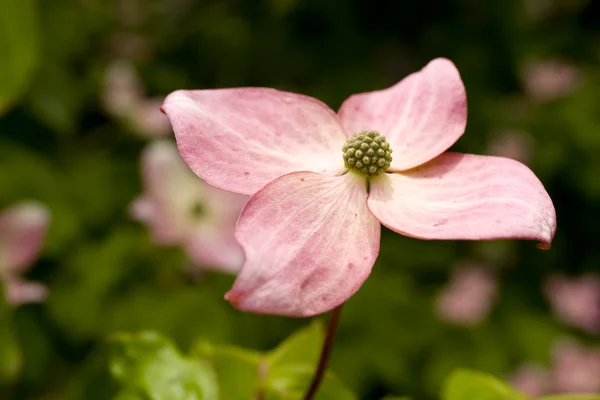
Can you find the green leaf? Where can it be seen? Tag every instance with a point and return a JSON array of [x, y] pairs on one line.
[[19, 48], [148, 365], [292, 364], [571, 397], [301, 348], [93, 380], [395, 398], [283, 374], [127, 395], [10, 354], [238, 370], [291, 383], [470, 385]]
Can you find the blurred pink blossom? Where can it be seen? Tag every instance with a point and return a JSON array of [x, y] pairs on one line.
[[181, 209], [550, 79], [123, 97], [576, 369], [147, 118], [576, 300], [533, 380], [511, 143], [468, 297], [22, 231], [122, 89]]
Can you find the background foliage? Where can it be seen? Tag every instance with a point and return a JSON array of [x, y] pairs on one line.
[[62, 145]]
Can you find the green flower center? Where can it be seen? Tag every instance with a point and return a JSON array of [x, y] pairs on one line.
[[367, 152], [197, 210]]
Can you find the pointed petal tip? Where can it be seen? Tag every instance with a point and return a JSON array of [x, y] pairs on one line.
[[234, 298], [544, 246], [547, 235]]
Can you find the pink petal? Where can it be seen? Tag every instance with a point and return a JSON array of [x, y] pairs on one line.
[[532, 380], [468, 297], [122, 88], [171, 190], [142, 209], [148, 120], [148, 210], [211, 241], [576, 367], [310, 243], [546, 80], [181, 209], [421, 116], [20, 292], [463, 196], [241, 139], [22, 231], [218, 251], [576, 300]]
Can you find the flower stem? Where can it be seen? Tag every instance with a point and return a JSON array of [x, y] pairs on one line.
[[334, 320]]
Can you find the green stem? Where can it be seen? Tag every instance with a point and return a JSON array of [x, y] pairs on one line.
[[334, 320]]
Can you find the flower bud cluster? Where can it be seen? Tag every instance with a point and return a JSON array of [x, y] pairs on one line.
[[367, 152]]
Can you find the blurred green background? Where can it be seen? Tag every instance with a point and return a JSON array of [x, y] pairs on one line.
[[531, 70]]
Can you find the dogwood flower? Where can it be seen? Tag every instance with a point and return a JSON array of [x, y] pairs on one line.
[[576, 300], [124, 97], [547, 80], [531, 379], [321, 183], [22, 231], [180, 209], [575, 367], [468, 297]]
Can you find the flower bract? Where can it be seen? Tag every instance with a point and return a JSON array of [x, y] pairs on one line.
[[23, 229]]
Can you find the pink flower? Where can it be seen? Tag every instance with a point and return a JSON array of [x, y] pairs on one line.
[[576, 301], [123, 97], [147, 119], [183, 210], [22, 231], [320, 188], [510, 143], [468, 297], [550, 79], [122, 89], [575, 368], [532, 380]]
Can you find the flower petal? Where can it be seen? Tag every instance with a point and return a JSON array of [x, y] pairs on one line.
[[241, 139], [463, 196], [22, 231], [142, 209], [167, 184], [215, 250], [421, 116], [181, 209], [19, 292], [310, 243]]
